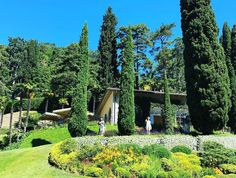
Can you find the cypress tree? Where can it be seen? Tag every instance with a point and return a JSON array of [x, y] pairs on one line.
[[167, 112], [233, 47], [108, 51], [226, 43], [126, 116], [77, 125], [206, 74]]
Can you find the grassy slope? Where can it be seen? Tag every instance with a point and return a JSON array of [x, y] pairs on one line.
[[54, 135], [29, 162], [45, 136]]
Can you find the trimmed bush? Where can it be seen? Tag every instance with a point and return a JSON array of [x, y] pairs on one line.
[[156, 151], [215, 154], [228, 168], [210, 145], [181, 148]]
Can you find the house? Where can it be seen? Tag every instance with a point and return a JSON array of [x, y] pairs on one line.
[[109, 105]]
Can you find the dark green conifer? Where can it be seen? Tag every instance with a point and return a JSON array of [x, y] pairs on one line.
[[126, 116], [108, 51], [233, 47], [226, 43], [167, 111], [77, 125], [207, 80]]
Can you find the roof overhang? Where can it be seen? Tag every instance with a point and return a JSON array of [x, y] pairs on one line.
[[152, 96]]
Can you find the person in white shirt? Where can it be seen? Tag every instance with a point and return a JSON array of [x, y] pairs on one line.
[[101, 124], [148, 125]]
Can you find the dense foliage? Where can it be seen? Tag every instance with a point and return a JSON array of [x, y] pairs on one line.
[[167, 110], [214, 154], [77, 125], [126, 115], [109, 74], [226, 43], [181, 148], [207, 80], [232, 53]]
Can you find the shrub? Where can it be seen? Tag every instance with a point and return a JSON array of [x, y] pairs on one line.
[[217, 171], [215, 154], [68, 146], [167, 164], [210, 145], [156, 151], [207, 172], [228, 168], [112, 154], [89, 151], [181, 148], [64, 155], [139, 168], [162, 174], [184, 174], [189, 163], [173, 174], [93, 171], [135, 147], [122, 172]]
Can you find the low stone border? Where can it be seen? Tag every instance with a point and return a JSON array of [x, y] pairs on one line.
[[169, 141]]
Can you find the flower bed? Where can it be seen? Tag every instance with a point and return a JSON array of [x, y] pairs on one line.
[[142, 156], [99, 158]]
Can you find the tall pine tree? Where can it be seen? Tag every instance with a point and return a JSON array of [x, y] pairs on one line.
[[226, 43], [207, 80], [78, 122], [126, 116], [108, 52]]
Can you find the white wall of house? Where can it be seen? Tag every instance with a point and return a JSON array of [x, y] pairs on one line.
[[107, 110], [111, 108], [116, 99]]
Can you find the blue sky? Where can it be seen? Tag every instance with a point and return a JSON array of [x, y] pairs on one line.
[[60, 21]]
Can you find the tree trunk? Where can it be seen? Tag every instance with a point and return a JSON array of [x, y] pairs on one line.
[[137, 76], [46, 105], [20, 118], [62, 106], [1, 118], [20, 114], [94, 105], [27, 114], [10, 126]]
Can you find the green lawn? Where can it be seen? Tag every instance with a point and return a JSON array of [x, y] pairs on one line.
[[45, 136], [28, 163], [54, 135]]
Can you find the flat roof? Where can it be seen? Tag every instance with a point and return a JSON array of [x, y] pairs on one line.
[[152, 96]]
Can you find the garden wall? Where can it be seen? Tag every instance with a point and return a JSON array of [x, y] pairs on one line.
[[194, 143]]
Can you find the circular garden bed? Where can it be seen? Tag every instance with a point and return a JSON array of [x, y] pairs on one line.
[[150, 160]]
